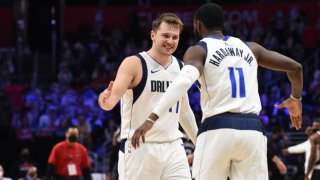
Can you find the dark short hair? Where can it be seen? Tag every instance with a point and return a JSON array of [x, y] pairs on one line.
[[211, 15]]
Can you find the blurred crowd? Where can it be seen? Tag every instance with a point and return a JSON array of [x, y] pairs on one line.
[[87, 61]]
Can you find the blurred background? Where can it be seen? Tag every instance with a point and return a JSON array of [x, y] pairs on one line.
[[57, 56]]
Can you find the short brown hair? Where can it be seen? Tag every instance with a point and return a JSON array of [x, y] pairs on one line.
[[170, 18]]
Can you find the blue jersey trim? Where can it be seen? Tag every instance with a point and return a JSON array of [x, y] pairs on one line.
[[138, 89], [180, 63], [122, 145], [232, 121], [203, 45], [216, 37], [226, 38]]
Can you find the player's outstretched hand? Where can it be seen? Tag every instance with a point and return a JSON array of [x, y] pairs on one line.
[[140, 132], [103, 97], [295, 111]]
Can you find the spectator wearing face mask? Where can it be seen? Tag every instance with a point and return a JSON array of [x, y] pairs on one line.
[[2, 173], [69, 159]]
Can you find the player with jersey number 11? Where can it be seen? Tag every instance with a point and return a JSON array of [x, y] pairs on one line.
[[231, 141]]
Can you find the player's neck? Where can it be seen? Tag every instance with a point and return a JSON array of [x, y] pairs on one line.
[[218, 34], [162, 59]]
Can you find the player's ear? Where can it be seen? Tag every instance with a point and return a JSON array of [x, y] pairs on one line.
[[152, 35], [196, 24], [201, 27]]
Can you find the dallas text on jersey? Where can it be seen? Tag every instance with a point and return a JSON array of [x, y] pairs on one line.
[[159, 86]]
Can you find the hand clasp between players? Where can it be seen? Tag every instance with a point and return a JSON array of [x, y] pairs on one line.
[[295, 111], [140, 132]]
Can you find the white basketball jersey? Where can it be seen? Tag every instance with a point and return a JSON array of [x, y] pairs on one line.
[[229, 81], [138, 103]]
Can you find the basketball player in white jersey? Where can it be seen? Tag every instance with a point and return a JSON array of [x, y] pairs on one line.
[[141, 81], [230, 141]]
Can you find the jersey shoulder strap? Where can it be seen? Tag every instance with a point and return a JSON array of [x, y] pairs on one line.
[[180, 63], [138, 89]]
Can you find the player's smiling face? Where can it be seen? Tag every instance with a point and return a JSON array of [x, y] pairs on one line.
[[166, 38]]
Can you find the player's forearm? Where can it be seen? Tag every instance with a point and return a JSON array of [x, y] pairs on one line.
[[187, 119], [296, 79], [299, 148], [188, 75]]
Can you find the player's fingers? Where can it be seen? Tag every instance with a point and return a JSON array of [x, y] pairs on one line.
[[299, 122], [135, 139], [103, 97], [138, 139], [295, 122], [143, 137], [292, 121], [133, 143], [281, 105]]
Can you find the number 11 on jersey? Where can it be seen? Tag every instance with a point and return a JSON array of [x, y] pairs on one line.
[[234, 82], [176, 109]]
